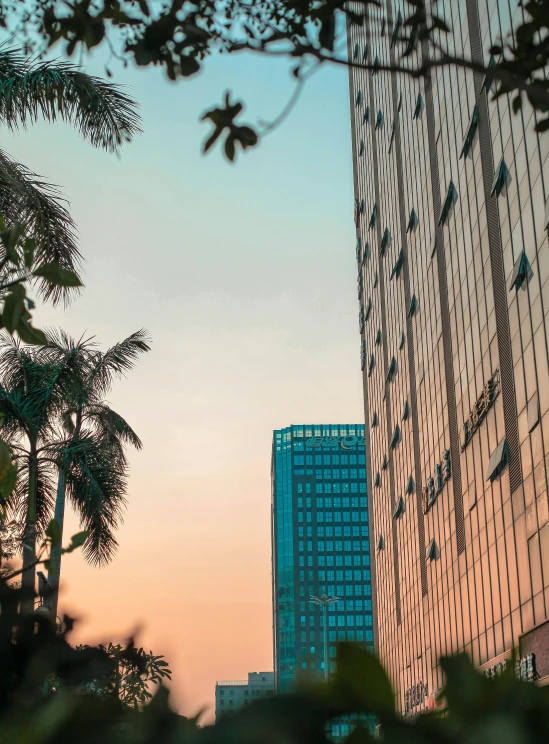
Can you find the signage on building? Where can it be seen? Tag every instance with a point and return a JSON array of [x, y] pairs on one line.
[[535, 643], [525, 668], [435, 484], [346, 443], [480, 409], [415, 696]]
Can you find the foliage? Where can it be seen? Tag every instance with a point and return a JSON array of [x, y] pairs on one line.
[[101, 112], [134, 671], [92, 430], [18, 267], [179, 36], [33, 396], [52, 692]]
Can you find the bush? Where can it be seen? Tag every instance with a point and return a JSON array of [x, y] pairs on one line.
[[51, 692]]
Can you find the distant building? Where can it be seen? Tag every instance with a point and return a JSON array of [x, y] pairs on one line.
[[234, 694], [320, 546]]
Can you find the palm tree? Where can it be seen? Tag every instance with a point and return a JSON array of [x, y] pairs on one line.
[[102, 113], [31, 394], [90, 424], [41, 390]]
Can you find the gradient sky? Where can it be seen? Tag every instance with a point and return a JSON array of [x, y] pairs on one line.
[[245, 278]]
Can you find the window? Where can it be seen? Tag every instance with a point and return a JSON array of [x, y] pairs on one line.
[[377, 481], [373, 217], [368, 310], [359, 98], [402, 341], [371, 365], [413, 307], [395, 37], [502, 179], [361, 148], [377, 63], [366, 116], [471, 135], [365, 53], [397, 268], [356, 51], [378, 338], [489, 84], [392, 370], [418, 111], [498, 460], [375, 420], [396, 437], [385, 241], [522, 273], [392, 137], [413, 222], [432, 551], [406, 412], [379, 120], [399, 508], [449, 204]]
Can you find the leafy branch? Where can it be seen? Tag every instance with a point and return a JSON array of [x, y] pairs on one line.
[[179, 37]]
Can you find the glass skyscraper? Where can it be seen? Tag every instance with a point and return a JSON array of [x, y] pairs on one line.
[[453, 286], [320, 545]]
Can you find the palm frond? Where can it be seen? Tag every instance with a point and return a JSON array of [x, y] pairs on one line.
[[102, 113], [17, 415], [45, 495], [27, 200], [119, 359], [13, 360], [96, 484], [111, 425]]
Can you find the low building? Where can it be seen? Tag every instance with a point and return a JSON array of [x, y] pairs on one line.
[[231, 695]]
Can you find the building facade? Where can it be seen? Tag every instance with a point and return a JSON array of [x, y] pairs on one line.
[[231, 695], [453, 290], [320, 546]]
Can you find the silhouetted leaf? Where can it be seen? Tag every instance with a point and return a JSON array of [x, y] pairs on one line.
[[55, 274]]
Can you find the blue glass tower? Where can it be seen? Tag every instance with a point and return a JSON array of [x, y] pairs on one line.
[[320, 545]]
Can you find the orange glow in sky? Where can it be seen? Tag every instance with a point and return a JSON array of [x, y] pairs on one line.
[[245, 278]]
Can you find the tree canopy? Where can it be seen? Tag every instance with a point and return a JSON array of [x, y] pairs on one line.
[[180, 35]]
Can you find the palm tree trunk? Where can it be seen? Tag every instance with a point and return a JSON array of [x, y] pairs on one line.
[[55, 573], [28, 578]]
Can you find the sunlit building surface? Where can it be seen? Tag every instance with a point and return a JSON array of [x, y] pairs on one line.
[[320, 546], [453, 290]]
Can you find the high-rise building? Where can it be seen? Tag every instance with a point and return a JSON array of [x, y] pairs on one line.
[[453, 289], [230, 695], [320, 546]]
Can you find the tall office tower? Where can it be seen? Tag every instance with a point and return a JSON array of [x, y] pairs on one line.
[[320, 546], [453, 269]]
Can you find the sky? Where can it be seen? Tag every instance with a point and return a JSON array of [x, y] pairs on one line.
[[245, 277]]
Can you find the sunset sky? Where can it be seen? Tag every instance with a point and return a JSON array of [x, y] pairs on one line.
[[245, 277]]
